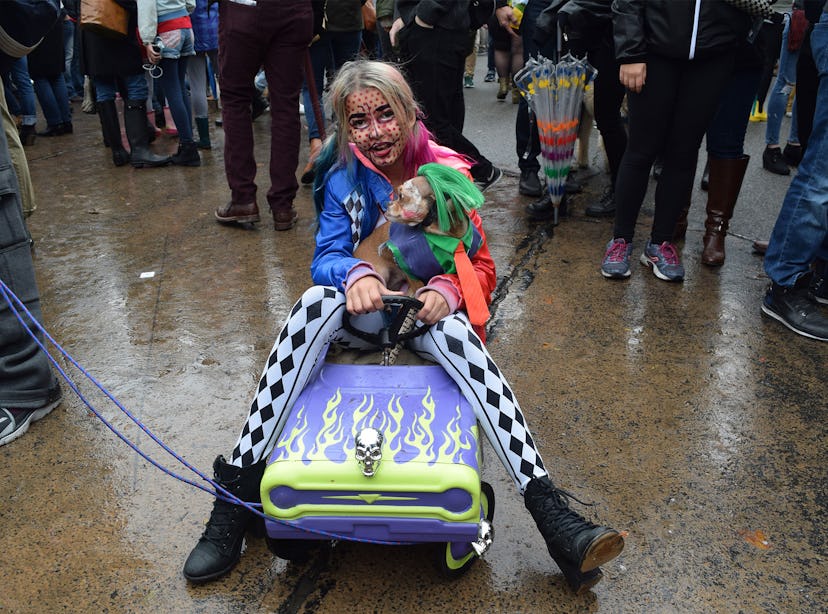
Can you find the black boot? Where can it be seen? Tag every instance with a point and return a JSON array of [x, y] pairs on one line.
[[570, 539], [219, 548], [135, 120], [187, 154], [111, 128]]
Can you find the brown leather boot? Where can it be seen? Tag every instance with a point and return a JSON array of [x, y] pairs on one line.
[[680, 230], [725, 183], [240, 214], [284, 219]]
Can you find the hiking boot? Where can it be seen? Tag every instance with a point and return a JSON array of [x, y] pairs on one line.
[[492, 178], [569, 537], [239, 214], [772, 161], [792, 154], [616, 262], [664, 260], [14, 422], [220, 546], [605, 207], [529, 184], [285, 219], [795, 308]]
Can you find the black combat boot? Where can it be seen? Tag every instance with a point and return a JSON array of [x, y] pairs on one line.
[[577, 545], [219, 548], [135, 121]]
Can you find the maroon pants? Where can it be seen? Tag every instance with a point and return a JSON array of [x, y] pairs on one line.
[[274, 34]]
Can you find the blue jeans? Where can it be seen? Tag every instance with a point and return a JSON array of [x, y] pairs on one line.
[[726, 133], [778, 98], [24, 92], [54, 101], [331, 51], [68, 55], [107, 87], [801, 231]]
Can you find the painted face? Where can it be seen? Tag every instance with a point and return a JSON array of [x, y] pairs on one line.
[[373, 127]]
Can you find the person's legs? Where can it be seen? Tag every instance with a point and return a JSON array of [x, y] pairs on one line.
[[314, 322], [171, 81], [800, 234], [435, 70], [68, 54], [697, 97], [241, 52], [28, 390], [649, 120], [283, 62], [726, 160], [49, 105], [576, 545]]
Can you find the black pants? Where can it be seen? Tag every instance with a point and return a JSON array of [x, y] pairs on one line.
[[434, 62], [669, 116], [608, 92]]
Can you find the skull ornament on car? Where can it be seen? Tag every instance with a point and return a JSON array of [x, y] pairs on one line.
[[369, 450]]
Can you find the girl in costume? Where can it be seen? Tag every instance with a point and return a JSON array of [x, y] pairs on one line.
[[379, 144]]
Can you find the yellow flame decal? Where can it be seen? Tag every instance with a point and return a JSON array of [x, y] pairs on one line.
[[331, 432], [361, 418], [419, 436], [395, 415], [294, 443]]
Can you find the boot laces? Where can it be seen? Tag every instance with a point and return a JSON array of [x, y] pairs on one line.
[[567, 522]]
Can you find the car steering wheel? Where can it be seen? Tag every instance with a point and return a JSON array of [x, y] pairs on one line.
[[397, 310]]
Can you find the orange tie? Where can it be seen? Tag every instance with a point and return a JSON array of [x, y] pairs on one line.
[[476, 306]]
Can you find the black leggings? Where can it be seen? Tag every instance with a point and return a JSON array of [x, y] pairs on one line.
[[669, 118]]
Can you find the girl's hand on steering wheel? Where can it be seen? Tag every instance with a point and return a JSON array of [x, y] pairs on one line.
[[435, 307], [365, 295]]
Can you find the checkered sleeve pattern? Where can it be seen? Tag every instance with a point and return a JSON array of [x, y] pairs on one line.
[[754, 8], [314, 322], [453, 344]]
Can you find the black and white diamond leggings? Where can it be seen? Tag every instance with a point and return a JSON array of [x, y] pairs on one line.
[[316, 321]]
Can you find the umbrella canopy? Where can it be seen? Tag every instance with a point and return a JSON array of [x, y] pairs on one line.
[[555, 91]]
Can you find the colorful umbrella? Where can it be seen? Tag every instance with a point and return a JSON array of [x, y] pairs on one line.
[[555, 91]]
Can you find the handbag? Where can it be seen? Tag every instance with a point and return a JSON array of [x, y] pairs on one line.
[[369, 15], [105, 17]]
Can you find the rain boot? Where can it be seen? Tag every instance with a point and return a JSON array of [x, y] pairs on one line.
[[219, 548], [725, 182], [577, 545], [203, 127], [135, 121], [111, 128], [187, 154]]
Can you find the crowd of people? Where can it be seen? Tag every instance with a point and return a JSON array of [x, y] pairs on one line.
[[686, 77]]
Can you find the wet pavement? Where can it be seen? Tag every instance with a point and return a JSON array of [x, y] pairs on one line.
[[689, 420]]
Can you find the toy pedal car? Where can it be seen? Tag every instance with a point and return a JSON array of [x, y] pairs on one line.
[[386, 454]]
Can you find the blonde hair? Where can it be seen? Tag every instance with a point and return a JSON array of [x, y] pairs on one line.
[[386, 78]]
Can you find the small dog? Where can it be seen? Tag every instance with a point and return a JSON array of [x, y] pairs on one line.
[[418, 207]]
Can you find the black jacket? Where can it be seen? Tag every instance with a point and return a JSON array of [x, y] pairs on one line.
[[665, 28], [445, 14]]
